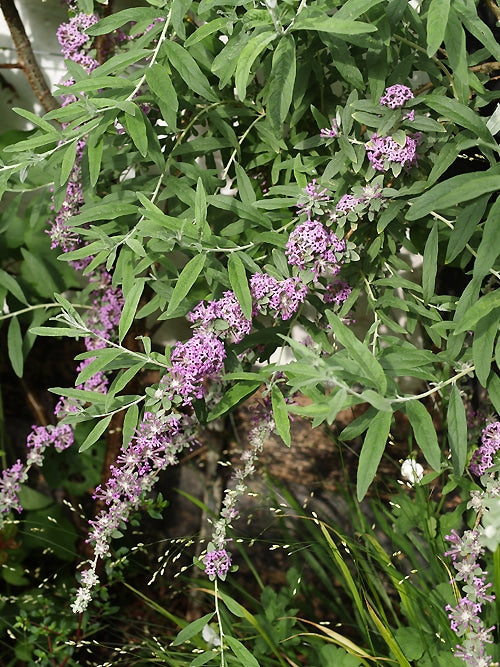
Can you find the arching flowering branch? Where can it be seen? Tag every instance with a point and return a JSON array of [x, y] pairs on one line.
[[158, 442], [38, 441], [466, 553]]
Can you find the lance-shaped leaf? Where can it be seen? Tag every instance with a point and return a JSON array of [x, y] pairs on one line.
[[460, 114], [185, 281], [489, 248], [102, 359], [436, 24], [469, 17], [465, 225], [456, 50], [482, 344], [95, 433], [118, 19], [232, 397], [11, 285], [136, 127], [425, 433], [494, 391], [158, 78], [95, 147], [239, 283], [15, 347], [130, 307], [453, 192], [200, 210], [68, 162], [281, 81], [372, 450], [280, 414], [359, 352], [332, 24], [246, 59], [429, 267], [192, 629], [189, 70], [478, 310], [241, 652], [457, 431], [130, 424]]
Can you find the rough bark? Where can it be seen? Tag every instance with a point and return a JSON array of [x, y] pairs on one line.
[[26, 58]]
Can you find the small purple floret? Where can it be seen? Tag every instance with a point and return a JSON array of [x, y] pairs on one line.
[[396, 96], [217, 563]]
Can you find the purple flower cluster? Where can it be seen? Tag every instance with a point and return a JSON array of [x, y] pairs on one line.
[[396, 96], [382, 151], [348, 203], [199, 359], [217, 563], [75, 42], [103, 320], [312, 202], [465, 618], [9, 486], [263, 427], [337, 292], [107, 305], [312, 246], [158, 441], [61, 234], [483, 457], [41, 437], [156, 445], [279, 298], [223, 316]]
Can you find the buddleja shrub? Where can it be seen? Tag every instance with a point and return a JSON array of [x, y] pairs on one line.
[[256, 169]]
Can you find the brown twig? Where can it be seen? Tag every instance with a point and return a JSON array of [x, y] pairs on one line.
[[494, 9], [486, 68], [36, 408], [26, 58], [104, 43]]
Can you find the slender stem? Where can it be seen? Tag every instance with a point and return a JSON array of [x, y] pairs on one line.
[[438, 387], [153, 58], [143, 357], [303, 4], [124, 407], [417, 47], [377, 319], [83, 130], [40, 305], [230, 250], [219, 622], [241, 140], [271, 8], [26, 58]]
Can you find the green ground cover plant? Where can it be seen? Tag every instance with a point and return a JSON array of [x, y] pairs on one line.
[[287, 200]]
